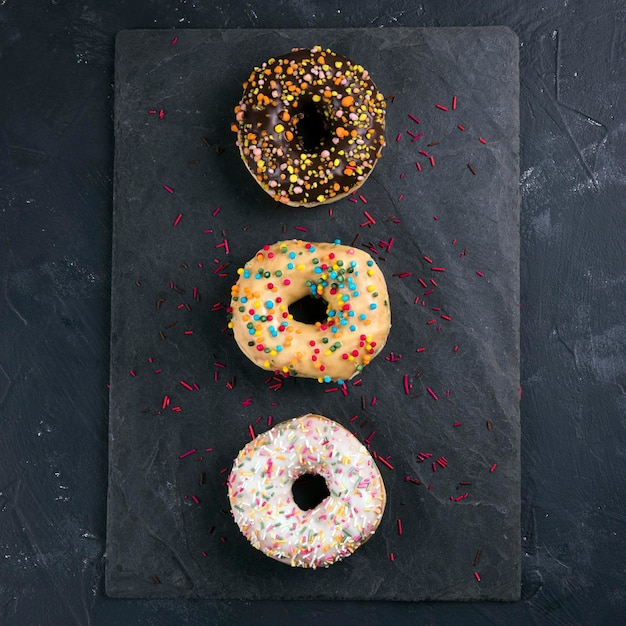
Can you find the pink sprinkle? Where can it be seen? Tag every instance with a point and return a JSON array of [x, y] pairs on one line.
[[435, 218], [189, 332], [161, 114], [186, 385], [406, 384], [174, 41], [177, 220], [432, 160], [302, 228], [251, 431], [419, 167], [399, 136], [195, 499], [400, 197], [269, 420], [352, 199], [166, 402], [483, 141], [414, 118], [454, 103], [399, 526], [369, 217], [438, 269], [184, 454], [434, 466], [460, 127], [363, 199], [480, 274], [216, 211], [421, 349], [354, 417], [373, 402], [417, 137], [440, 106], [477, 576], [152, 111], [493, 467], [456, 348], [446, 317], [429, 322], [457, 424], [392, 558], [168, 189], [132, 373], [424, 153], [432, 393]]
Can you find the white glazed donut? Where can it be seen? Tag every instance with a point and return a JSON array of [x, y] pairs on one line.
[[260, 492], [358, 315]]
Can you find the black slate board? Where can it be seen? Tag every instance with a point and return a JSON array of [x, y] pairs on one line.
[[169, 532]]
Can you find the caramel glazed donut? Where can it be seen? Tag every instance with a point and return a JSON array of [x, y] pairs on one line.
[[358, 315], [310, 126], [260, 490]]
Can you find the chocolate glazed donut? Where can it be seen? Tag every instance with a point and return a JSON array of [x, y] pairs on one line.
[[310, 126]]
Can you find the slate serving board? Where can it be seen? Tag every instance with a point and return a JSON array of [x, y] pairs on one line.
[[183, 398]]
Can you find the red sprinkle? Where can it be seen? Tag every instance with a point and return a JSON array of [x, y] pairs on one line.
[[483, 141], [251, 431], [477, 576], [392, 558], [414, 118], [399, 136], [432, 160], [454, 103], [177, 220], [385, 462], [438, 269], [399, 526], [457, 424], [184, 454], [174, 41], [186, 385], [493, 467], [418, 136], [440, 106], [432, 393], [460, 127], [419, 167]]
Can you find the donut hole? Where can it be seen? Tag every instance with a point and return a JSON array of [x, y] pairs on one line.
[[309, 490], [309, 310], [311, 129]]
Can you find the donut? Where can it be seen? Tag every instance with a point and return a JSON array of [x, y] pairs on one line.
[[261, 490], [310, 126], [352, 325]]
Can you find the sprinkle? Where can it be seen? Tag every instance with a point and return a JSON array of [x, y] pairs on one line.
[[177, 220], [424, 153], [184, 454], [488, 424], [418, 136], [480, 274], [429, 322], [477, 576], [399, 526], [414, 118], [406, 384], [186, 385], [438, 269], [493, 467], [418, 165], [471, 168], [421, 350], [446, 317], [195, 499], [392, 557], [457, 424], [363, 199], [432, 393], [174, 41], [460, 127], [399, 136], [483, 141], [441, 107], [477, 557], [168, 189], [432, 160], [251, 431], [301, 228], [454, 103], [216, 211], [385, 462]]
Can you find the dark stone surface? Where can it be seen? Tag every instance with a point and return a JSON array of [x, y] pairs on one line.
[[463, 222], [56, 186]]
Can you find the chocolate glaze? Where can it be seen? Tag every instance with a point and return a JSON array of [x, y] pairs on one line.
[[310, 126]]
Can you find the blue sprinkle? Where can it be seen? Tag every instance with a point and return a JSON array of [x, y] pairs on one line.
[[337, 241], [343, 322], [345, 297], [355, 294], [257, 316], [269, 304], [353, 328], [318, 270], [373, 305], [290, 265], [370, 263], [279, 348], [243, 299], [340, 381], [327, 379], [251, 331], [352, 263], [350, 313], [334, 329], [362, 316], [246, 273], [292, 255]]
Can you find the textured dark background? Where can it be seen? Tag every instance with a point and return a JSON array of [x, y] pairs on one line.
[[56, 149]]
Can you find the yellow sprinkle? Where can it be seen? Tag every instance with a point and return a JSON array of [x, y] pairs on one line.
[[279, 128]]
